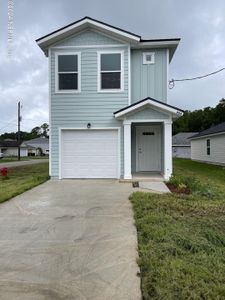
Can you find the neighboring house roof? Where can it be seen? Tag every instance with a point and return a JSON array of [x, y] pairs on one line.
[[9, 144], [182, 139], [40, 140], [220, 128], [159, 104], [45, 41]]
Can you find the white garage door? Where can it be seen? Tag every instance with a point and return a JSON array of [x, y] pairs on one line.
[[89, 154]]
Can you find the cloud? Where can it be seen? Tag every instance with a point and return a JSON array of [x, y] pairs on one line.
[[202, 48]]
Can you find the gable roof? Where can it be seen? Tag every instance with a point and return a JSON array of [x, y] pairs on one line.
[[40, 140], [182, 138], [9, 143], [45, 41], [220, 128], [161, 105]]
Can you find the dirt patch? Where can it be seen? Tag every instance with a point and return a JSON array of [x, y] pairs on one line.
[[177, 190]]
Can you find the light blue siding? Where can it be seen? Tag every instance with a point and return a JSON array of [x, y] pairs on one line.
[[77, 109], [149, 80], [147, 113], [88, 38]]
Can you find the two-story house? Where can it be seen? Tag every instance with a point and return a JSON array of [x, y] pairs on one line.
[[109, 116]]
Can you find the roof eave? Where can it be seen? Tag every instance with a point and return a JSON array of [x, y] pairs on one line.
[[206, 135], [175, 112], [64, 32]]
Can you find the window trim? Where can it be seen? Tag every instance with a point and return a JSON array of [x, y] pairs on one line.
[[99, 53], [57, 90], [208, 147], [145, 62]]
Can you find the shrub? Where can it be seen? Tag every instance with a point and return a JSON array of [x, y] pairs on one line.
[[193, 185]]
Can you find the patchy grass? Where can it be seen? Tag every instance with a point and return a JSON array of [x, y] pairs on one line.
[[181, 239], [21, 179], [13, 158]]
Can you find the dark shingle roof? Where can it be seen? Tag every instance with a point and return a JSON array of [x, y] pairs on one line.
[[181, 139], [40, 140], [212, 130], [8, 144]]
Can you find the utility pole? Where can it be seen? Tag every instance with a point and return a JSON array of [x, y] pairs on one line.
[[18, 136]]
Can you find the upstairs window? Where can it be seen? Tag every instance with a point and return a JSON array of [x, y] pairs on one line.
[[68, 73], [110, 72], [148, 58], [208, 147]]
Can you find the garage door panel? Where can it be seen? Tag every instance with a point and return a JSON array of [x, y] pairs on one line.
[[90, 154]]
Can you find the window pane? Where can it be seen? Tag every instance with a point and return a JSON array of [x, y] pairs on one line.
[[110, 80], [110, 62], [208, 143], [67, 63], [68, 82]]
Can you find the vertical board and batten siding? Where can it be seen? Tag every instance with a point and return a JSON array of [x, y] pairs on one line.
[[217, 149], [149, 80], [77, 109]]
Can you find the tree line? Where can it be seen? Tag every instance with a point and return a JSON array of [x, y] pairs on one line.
[[201, 119], [38, 131]]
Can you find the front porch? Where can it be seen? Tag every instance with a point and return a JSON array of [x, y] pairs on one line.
[[147, 139], [147, 150]]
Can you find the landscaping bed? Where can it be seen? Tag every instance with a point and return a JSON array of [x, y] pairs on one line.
[[21, 179], [181, 236]]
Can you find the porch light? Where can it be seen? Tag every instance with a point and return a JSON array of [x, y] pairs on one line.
[[88, 125]]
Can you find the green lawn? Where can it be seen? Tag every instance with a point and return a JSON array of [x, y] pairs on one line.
[[13, 158], [21, 179], [182, 239]]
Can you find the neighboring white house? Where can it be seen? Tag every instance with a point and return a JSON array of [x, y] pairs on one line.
[[209, 145], [182, 144], [38, 146], [109, 116], [9, 147]]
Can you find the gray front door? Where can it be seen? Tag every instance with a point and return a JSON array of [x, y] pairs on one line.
[[148, 150]]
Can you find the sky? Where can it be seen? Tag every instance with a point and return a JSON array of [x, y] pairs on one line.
[[23, 74]]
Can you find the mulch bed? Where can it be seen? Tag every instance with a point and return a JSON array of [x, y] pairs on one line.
[[174, 189]]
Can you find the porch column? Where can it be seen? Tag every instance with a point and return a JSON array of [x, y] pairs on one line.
[[127, 149], [167, 149]]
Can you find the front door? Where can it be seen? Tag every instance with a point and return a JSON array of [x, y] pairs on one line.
[[148, 149]]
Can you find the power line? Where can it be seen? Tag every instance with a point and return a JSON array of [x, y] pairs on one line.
[[172, 81]]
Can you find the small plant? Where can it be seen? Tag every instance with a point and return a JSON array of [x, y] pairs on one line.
[[190, 185]]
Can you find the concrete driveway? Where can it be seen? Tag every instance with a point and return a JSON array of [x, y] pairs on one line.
[[70, 239]]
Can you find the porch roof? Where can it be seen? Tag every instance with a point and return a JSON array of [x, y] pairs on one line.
[[174, 111]]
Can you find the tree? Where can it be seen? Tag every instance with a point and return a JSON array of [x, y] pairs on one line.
[[40, 131], [200, 119]]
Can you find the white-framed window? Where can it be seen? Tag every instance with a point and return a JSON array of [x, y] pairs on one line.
[[148, 58], [110, 71], [67, 75], [208, 146]]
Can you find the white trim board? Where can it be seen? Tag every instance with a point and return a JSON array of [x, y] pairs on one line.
[[57, 91], [60, 129], [49, 110], [99, 90], [72, 29], [148, 102]]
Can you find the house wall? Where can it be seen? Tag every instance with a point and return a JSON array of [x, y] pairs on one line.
[[182, 151], [77, 109], [149, 80], [14, 152], [44, 147], [217, 149]]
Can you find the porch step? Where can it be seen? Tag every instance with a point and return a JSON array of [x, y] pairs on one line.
[[143, 179]]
